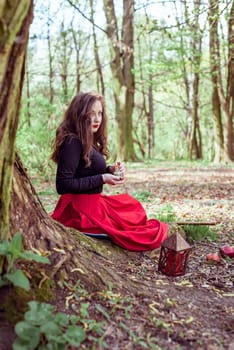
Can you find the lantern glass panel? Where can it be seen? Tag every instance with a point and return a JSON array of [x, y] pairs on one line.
[[173, 263]]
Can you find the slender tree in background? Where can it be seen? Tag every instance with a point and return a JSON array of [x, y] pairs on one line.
[[143, 111], [80, 41], [100, 79], [150, 114], [214, 67], [50, 57], [28, 95], [122, 65], [64, 50], [146, 50], [195, 142], [228, 103], [222, 102], [15, 18], [190, 51]]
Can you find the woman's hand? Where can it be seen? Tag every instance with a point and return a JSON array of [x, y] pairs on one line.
[[111, 179]]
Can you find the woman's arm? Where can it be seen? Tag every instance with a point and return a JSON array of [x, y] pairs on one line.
[[70, 157]]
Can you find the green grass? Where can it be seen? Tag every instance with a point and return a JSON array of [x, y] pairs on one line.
[[165, 214], [193, 232], [142, 196], [47, 192], [200, 233]]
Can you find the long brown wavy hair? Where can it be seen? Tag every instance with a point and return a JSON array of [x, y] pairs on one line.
[[76, 123]]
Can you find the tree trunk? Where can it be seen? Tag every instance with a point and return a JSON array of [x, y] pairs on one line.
[[77, 45], [226, 101], [191, 76], [28, 95], [142, 140], [122, 65], [147, 92], [186, 77], [50, 58], [96, 53], [64, 51], [13, 44], [214, 67], [221, 102], [195, 147], [150, 120], [230, 86]]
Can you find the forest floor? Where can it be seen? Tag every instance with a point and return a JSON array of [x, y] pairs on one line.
[[193, 311]]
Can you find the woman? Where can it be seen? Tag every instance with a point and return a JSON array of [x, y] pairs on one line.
[[80, 150]]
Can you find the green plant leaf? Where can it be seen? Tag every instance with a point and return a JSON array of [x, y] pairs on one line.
[[18, 279], [84, 310], [75, 335], [61, 319], [39, 313], [50, 328], [29, 336], [21, 344], [15, 245], [25, 330], [74, 319], [27, 255], [4, 247]]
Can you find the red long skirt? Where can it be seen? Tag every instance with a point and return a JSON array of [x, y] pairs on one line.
[[120, 216]]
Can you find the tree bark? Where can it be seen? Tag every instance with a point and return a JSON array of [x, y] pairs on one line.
[[122, 65], [15, 19]]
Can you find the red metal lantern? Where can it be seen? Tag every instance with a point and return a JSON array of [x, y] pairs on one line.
[[174, 255]]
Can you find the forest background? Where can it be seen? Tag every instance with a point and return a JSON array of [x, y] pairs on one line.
[[165, 68]]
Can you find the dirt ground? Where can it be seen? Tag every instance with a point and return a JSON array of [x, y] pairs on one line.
[[193, 311]]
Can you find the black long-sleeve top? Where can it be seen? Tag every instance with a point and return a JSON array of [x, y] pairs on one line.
[[72, 174]]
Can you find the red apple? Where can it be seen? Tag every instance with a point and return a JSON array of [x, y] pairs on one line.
[[213, 258], [227, 250]]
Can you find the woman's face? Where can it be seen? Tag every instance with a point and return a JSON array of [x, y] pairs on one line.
[[96, 116]]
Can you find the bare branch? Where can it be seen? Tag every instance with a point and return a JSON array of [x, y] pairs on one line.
[[87, 18]]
